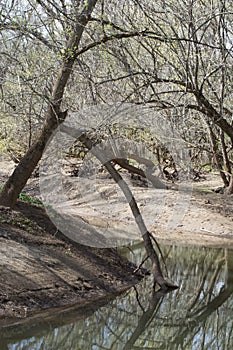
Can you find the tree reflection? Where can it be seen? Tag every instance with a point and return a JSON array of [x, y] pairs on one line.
[[203, 304], [192, 330], [197, 316], [147, 316]]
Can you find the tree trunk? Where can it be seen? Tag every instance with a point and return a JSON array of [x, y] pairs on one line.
[[229, 189], [225, 155], [213, 115], [54, 115], [215, 150], [17, 181], [100, 155], [133, 170]]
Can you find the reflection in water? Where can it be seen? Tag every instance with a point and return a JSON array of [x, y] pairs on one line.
[[197, 316]]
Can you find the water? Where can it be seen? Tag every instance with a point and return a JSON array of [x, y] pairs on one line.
[[196, 316]]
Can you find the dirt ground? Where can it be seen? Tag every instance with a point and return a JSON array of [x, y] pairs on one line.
[[40, 268]]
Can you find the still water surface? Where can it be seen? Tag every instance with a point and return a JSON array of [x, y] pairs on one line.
[[199, 315]]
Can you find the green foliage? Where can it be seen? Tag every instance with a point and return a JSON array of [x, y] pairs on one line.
[[19, 220], [29, 199]]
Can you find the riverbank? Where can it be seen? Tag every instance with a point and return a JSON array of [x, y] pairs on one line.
[[41, 269]]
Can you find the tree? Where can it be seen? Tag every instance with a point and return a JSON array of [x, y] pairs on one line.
[[79, 17], [167, 55], [181, 66], [54, 116], [137, 55]]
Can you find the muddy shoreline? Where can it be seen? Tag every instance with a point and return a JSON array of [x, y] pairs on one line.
[[41, 269]]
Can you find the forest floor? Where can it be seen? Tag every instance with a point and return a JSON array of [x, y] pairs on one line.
[[40, 268]]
